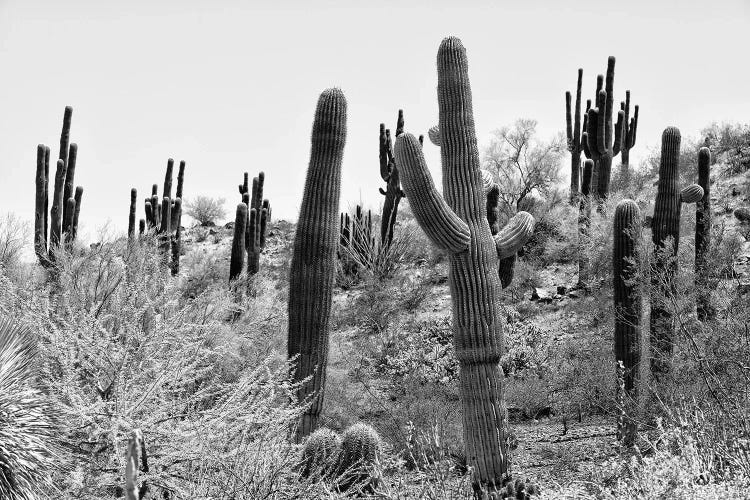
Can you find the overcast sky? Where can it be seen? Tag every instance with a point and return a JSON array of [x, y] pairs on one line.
[[231, 86]]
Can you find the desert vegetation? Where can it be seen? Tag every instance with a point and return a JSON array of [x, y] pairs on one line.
[[511, 335]]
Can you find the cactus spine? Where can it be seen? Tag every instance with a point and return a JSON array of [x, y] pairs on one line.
[[313, 261], [573, 130], [389, 173], [457, 222], [703, 237], [627, 299], [665, 229]]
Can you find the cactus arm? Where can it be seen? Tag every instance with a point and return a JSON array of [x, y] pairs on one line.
[[434, 134], [383, 153], [56, 212], [70, 172], [577, 118], [77, 197], [691, 194], [514, 235], [634, 126], [167, 188], [237, 260], [601, 123], [618, 132], [442, 225], [609, 102], [40, 210]]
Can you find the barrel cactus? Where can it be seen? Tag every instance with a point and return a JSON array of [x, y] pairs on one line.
[[320, 454], [456, 221], [313, 267], [361, 448], [665, 231], [627, 300]]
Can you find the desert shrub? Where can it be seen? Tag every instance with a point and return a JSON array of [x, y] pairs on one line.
[[121, 348], [205, 210], [14, 233]]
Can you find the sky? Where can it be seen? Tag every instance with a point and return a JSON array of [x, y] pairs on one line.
[[231, 86]]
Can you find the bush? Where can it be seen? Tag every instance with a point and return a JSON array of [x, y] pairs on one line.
[[205, 210]]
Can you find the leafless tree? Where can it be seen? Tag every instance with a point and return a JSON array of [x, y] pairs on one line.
[[523, 164], [14, 233]]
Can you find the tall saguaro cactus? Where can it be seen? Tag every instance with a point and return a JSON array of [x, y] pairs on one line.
[[584, 224], [389, 173], [50, 223], [313, 266], [573, 130], [602, 143], [627, 298], [665, 229], [457, 222], [703, 237]]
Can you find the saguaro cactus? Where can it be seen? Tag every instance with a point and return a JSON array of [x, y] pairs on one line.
[[626, 238], [584, 223], [131, 215], [703, 237], [602, 144], [665, 229], [626, 130], [257, 225], [62, 218], [313, 266], [457, 222], [573, 130], [237, 261], [389, 173]]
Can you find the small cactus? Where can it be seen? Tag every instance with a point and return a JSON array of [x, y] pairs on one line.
[[320, 454], [361, 448], [519, 490]]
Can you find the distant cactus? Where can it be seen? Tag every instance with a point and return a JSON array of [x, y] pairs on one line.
[[626, 130], [665, 229], [320, 454], [131, 215], [313, 268], [237, 261], [62, 218], [361, 448], [257, 225], [389, 173], [456, 221], [626, 240], [573, 130], [703, 237]]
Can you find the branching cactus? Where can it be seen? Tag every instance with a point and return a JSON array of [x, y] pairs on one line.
[[573, 130], [703, 237], [313, 266], [627, 134], [257, 225], [665, 232], [457, 223], [389, 173], [626, 241], [602, 143], [50, 223]]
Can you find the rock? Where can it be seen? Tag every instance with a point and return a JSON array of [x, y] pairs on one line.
[[541, 295], [229, 225]]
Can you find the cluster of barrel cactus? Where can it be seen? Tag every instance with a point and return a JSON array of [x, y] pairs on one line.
[[163, 216], [250, 227], [349, 461], [57, 225]]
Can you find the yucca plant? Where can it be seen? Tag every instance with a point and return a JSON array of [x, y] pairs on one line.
[[27, 452]]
